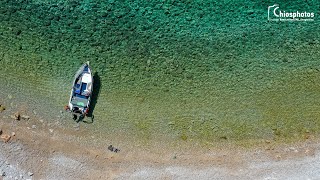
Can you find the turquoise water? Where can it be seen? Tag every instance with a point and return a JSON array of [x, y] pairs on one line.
[[193, 69]]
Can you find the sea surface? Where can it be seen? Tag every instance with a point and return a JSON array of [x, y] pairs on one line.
[[190, 70]]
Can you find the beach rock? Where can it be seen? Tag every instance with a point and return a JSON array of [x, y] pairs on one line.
[[5, 137], [113, 149], [16, 116], [2, 108], [30, 174], [110, 148], [25, 117]]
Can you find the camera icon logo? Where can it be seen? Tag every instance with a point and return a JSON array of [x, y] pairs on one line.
[[272, 13]]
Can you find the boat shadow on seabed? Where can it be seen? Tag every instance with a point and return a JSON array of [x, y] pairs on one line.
[[94, 100]]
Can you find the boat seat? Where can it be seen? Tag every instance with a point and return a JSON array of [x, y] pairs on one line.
[[83, 88], [77, 91], [81, 96]]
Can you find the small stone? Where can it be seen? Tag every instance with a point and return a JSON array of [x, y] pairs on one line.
[[307, 131], [25, 117], [47, 23], [13, 134], [18, 32], [188, 18], [116, 150], [0, 131], [113, 149], [33, 126], [2, 108], [3, 173], [16, 116], [292, 148], [110, 148], [5, 137], [30, 174], [7, 163], [51, 130], [10, 96]]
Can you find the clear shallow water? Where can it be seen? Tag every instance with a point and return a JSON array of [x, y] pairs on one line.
[[191, 69]]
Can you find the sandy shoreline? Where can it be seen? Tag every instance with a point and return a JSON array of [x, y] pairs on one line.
[[50, 152], [55, 147]]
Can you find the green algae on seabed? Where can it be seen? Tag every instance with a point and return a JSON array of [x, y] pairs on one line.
[[193, 70]]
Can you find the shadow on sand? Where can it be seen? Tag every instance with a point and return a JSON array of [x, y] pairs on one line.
[[94, 98]]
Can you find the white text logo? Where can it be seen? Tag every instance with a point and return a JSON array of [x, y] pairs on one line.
[[276, 14]]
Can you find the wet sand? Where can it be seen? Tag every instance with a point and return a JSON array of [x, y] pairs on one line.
[[49, 150]]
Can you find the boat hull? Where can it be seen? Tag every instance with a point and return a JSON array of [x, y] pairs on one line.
[[81, 91]]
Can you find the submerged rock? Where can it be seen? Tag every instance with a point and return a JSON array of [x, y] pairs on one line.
[[16, 116], [2, 173], [25, 117], [2, 108]]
